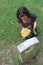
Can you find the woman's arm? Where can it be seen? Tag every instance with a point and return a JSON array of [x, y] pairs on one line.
[[34, 27], [21, 25]]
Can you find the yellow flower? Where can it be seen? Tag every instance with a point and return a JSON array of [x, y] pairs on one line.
[[25, 32]]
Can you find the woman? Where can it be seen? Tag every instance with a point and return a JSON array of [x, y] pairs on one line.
[[26, 19]]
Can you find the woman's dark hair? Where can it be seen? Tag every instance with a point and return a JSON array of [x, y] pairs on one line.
[[23, 10]]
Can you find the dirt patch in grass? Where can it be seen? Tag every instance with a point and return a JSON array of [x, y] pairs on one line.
[[9, 56]]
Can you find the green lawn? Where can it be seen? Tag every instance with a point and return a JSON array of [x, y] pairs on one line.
[[10, 31]]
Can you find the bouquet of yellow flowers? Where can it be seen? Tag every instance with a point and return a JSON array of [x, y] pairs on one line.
[[25, 32]]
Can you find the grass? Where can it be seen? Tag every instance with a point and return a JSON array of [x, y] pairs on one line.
[[10, 30]]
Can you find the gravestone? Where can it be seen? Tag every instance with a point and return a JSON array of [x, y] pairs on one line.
[[28, 49]]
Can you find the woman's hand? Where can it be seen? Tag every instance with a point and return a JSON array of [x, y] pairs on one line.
[[34, 32]]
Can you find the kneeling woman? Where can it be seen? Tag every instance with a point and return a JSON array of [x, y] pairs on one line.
[[26, 19]]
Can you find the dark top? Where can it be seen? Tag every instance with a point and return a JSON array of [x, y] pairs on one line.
[[30, 25]]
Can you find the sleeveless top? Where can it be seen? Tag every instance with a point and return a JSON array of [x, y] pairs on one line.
[[30, 25]]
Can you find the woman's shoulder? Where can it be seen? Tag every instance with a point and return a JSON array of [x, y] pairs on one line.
[[33, 15]]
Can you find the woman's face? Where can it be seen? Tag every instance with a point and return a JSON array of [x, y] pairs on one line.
[[24, 18]]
